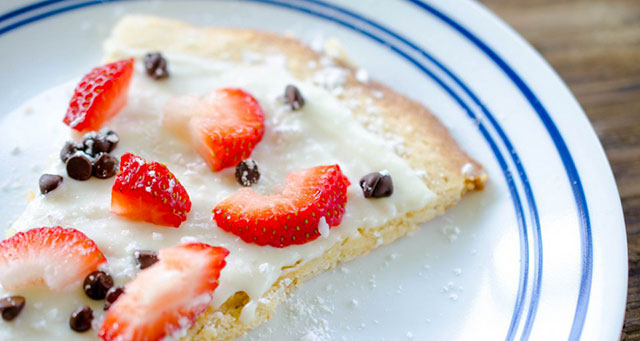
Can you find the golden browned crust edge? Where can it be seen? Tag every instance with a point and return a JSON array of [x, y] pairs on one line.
[[427, 147]]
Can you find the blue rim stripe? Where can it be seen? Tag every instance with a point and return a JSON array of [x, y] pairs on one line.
[[524, 245], [26, 9], [50, 13], [523, 176], [567, 160]]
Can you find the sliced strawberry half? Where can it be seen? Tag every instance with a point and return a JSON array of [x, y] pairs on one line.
[[59, 258], [166, 297], [148, 191], [99, 96], [224, 127], [291, 217]]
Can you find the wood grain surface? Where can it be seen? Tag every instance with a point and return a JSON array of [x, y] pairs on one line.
[[595, 47]]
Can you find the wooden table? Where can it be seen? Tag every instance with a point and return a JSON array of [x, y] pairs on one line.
[[595, 47]]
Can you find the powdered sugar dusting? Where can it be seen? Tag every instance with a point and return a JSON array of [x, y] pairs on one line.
[[362, 76], [331, 77], [308, 318], [451, 232], [467, 169], [323, 228]]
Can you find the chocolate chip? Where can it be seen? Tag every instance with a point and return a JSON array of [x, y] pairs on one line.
[[247, 173], [376, 185], [95, 143], [156, 65], [293, 97], [11, 307], [96, 284], [112, 296], [105, 166], [79, 167], [49, 182], [145, 259], [69, 149], [113, 139], [80, 320]]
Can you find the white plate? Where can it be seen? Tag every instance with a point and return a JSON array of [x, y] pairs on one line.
[[540, 254]]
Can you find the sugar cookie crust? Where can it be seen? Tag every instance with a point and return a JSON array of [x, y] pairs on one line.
[[427, 147]]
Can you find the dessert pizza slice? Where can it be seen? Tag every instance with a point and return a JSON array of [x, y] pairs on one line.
[[248, 163]]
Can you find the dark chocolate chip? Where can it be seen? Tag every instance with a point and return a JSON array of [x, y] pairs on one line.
[[79, 167], [145, 258], [112, 296], [102, 145], [11, 307], [80, 320], [376, 185], [156, 65], [247, 173], [293, 97], [105, 166], [69, 149], [95, 143], [113, 139], [96, 284], [49, 182]]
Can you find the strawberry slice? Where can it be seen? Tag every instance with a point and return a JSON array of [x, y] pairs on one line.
[[101, 94], [55, 257], [224, 126], [166, 297], [148, 191], [292, 217]]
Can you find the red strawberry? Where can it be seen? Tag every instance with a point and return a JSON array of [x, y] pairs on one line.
[[291, 217], [56, 257], [100, 95], [148, 191], [224, 126], [166, 297]]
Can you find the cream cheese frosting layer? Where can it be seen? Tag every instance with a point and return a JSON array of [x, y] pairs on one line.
[[322, 132]]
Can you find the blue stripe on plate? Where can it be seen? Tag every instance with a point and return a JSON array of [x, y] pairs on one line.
[[565, 155], [26, 9], [523, 176], [50, 13]]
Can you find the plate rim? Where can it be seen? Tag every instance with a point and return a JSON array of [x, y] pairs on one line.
[[581, 308]]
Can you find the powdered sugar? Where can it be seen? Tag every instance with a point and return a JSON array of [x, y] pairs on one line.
[[467, 169], [323, 228], [331, 77], [451, 232], [309, 317], [362, 76]]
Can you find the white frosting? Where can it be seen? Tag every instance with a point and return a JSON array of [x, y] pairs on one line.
[[322, 132]]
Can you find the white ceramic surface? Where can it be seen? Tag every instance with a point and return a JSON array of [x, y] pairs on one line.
[[540, 254]]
